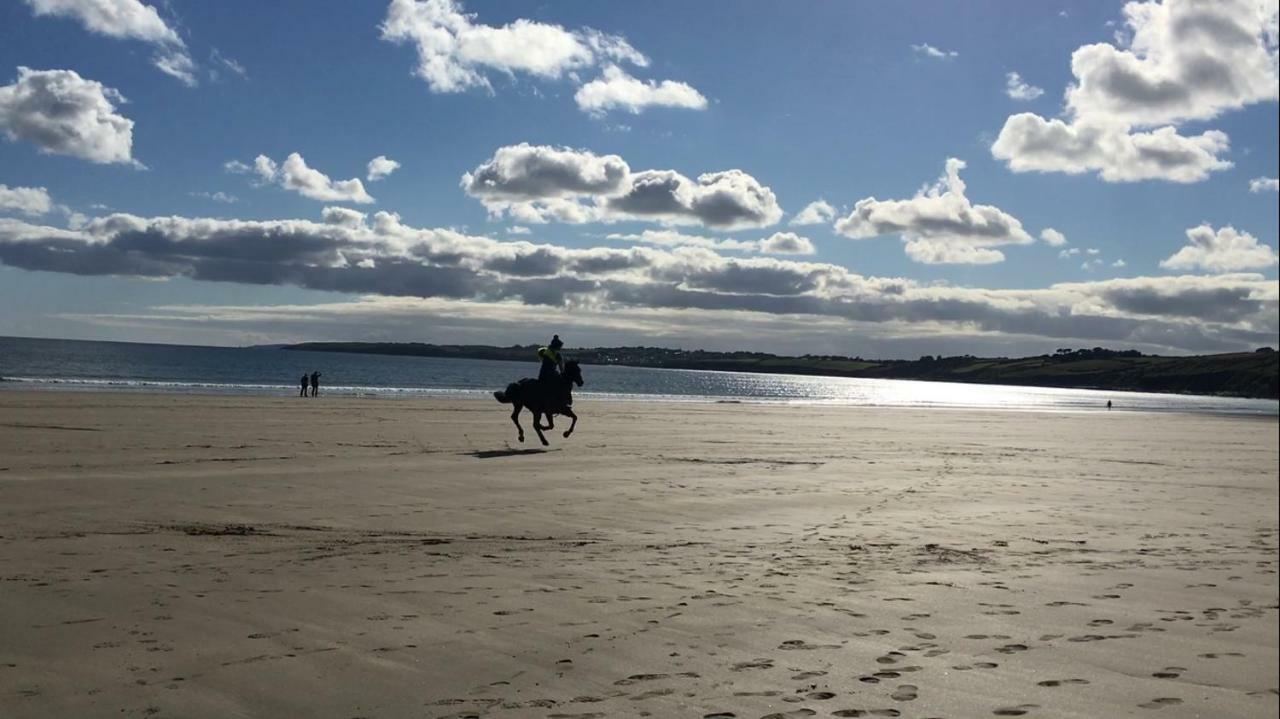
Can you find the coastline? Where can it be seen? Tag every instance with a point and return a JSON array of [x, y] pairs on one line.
[[206, 556]]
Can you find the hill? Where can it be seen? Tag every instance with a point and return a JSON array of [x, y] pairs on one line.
[[1241, 374]]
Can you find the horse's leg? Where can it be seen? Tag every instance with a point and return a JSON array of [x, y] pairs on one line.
[[537, 427], [569, 413], [515, 417], [550, 423]]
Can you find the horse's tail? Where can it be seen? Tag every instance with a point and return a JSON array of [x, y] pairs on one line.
[[508, 395]]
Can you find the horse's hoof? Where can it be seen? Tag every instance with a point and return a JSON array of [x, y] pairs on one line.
[[545, 443], [566, 434], [520, 438]]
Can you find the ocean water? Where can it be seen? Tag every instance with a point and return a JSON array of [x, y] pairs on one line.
[[72, 365]]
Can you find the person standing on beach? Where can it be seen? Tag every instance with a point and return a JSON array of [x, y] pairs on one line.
[[315, 383], [303, 391]]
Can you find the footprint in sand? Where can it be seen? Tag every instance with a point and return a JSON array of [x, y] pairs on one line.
[[791, 714], [891, 658], [1161, 703], [1100, 622], [808, 675], [1012, 648], [1169, 673], [1015, 711], [819, 696], [720, 715], [867, 713], [1061, 682], [905, 693], [753, 664]]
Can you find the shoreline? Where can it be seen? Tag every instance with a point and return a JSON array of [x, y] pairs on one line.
[[1265, 409]]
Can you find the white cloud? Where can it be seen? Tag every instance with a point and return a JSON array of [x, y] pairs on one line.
[[1119, 263], [818, 212], [218, 196], [218, 60], [1224, 250], [1184, 61], [616, 90], [1052, 237], [939, 225], [236, 167], [1030, 143], [127, 20], [343, 217], [519, 230], [1264, 184], [295, 175], [1016, 88], [455, 52], [30, 201], [1068, 253], [928, 50], [726, 200], [537, 172], [62, 113], [380, 167], [535, 184], [786, 243]]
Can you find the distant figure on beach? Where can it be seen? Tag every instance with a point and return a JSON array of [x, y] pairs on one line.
[[1108, 404], [315, 383], [303, 391]]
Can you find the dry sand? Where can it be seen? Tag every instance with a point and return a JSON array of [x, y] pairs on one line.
[[225, 557]]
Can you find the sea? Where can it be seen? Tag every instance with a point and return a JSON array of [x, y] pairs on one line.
[[75, 365]]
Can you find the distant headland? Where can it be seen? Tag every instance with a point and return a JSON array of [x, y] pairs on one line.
[[1240, 374]]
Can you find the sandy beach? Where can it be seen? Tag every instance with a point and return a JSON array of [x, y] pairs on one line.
[[175, 556]]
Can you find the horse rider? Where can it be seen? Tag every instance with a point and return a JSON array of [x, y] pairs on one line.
[[553, 366], [552, 361]]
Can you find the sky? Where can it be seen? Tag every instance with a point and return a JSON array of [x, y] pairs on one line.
[[873, 179]]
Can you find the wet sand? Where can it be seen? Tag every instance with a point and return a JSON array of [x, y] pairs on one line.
[[249, 557]]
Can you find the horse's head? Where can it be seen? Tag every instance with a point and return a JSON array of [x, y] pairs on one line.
[[573, 372]]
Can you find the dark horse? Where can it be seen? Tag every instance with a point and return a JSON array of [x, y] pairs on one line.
[[543, 398]]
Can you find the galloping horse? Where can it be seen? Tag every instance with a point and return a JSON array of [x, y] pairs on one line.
[[549, 398]]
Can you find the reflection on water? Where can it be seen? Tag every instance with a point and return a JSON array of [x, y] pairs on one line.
[[72, 365]]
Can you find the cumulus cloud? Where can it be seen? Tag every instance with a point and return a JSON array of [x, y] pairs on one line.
[[818, 212], [786, 243], [1030, 143], [384, 257], [926, 50], [541, 184], [380, 167], [1182, 61], [29, 201], [726, 200], [616, 90], [64, 114], [1018, 89], [537, 172], [939, 225], [294, 174], [1223, 250], [455, 53], [1052, 237], [127, 20], [1264, 184]]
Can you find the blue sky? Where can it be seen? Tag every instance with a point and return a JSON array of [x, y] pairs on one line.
[[846, 102]]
